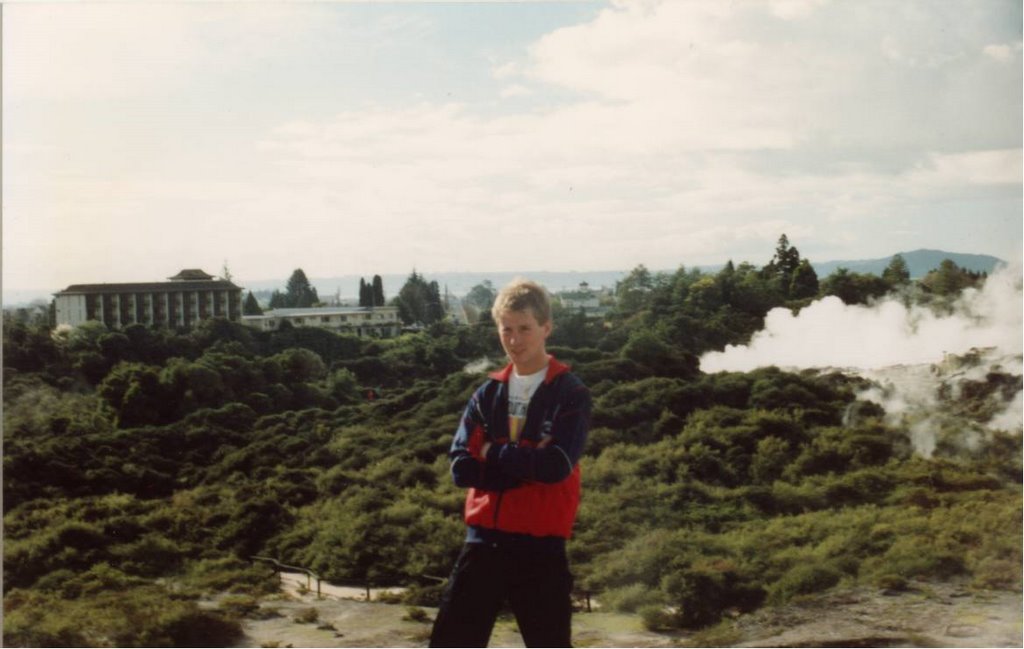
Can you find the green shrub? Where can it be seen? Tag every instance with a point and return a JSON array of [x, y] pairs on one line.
[[803, 579], [704, 590], [656, 618], [629, 599], [429, 595], [416, 614], [997, 573], [231, 574], [915, 556], [239, 605], [723, 634], [306, 615], [889, 581], [145, 616]]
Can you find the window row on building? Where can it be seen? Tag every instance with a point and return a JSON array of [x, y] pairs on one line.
[[380, 322], [181, 303]]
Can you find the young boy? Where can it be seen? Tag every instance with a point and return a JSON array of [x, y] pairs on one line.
[[517, 451]]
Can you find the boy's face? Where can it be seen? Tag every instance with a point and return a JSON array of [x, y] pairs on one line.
[[523, 339]]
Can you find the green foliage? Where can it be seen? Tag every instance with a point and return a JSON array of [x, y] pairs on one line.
[[419, 301], [896, 273], [308, 615], [143, 468], [804, 579], [949, 279], [481, 297], [416, 614], [632, 598], [656, 618], [299, 293], [854, 288], [251, 306], [142, 616], [239, 606]]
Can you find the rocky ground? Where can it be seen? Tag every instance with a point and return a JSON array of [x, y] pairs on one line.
[[932, 615]]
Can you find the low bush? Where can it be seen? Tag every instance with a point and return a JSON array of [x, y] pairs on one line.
[[416, 614], [656, 618], [239, 605], [306, 615], [145, 616], [804, 579], [631, 598]]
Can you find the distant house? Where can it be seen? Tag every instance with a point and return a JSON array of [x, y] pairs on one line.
[[583, 298], [186, 299], [379, 322]]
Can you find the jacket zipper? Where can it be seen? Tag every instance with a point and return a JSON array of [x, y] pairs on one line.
[[497, 507]]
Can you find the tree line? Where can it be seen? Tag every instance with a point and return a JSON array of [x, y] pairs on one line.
[[143, 467]]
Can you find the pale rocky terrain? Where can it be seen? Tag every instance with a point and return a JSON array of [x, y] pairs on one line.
[[932, 615]]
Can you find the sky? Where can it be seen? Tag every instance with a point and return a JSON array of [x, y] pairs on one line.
[[372, 138]]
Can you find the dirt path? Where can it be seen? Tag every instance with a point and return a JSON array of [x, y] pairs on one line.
[[345, 619], [296, 583], [931, 615], [945, 615]]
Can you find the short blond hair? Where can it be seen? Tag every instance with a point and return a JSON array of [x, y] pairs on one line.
[[521, 294]]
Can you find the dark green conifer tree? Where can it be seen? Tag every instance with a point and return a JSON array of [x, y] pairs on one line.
[[299, 293], [378, 291], [896, 273], [251, 306]]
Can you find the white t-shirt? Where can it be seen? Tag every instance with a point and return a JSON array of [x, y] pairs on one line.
[[520, 390]]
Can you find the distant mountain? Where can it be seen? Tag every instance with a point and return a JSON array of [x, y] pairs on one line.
[[919, 263]]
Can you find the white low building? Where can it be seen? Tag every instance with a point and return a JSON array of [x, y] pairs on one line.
[[379, 322]]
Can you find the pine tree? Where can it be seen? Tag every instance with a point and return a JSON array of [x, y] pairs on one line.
[[419, 301], [896, 273], [378, 291], [299, 293], [365, 296], [783, 266], [251, 306], [804, 281], [278, 300]]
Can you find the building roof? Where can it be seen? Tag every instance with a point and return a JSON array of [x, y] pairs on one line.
[[324, 310], [188, 274], [149, 287]]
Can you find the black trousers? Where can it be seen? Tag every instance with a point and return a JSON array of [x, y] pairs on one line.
[[537, 586]]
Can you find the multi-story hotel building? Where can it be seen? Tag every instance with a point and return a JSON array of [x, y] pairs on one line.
[[381, 321], [188, 298]]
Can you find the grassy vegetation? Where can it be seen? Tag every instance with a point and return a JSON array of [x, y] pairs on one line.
[[143, 469]]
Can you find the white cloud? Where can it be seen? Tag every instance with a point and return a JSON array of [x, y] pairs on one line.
[[1002, 52], [656, 132], [795, 9], [516, 90], [1003, 167]]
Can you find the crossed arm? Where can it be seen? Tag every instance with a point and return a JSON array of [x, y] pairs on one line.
[[480, 462]]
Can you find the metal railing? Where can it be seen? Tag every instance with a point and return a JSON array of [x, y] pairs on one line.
[[281, 567]]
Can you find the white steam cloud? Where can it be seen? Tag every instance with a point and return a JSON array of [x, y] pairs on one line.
[[829, 333], [918, 359]]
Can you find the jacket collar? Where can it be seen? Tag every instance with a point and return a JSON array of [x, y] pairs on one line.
[[555, 368]]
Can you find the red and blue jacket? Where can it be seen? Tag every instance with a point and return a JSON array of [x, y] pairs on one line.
[[530, 486]]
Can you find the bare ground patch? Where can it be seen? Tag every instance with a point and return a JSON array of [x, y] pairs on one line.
[[947, 615]]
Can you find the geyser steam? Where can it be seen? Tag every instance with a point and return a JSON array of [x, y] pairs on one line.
[[909, 352]]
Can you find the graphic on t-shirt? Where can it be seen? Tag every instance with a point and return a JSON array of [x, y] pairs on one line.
[[521, 389], [516, 415]]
